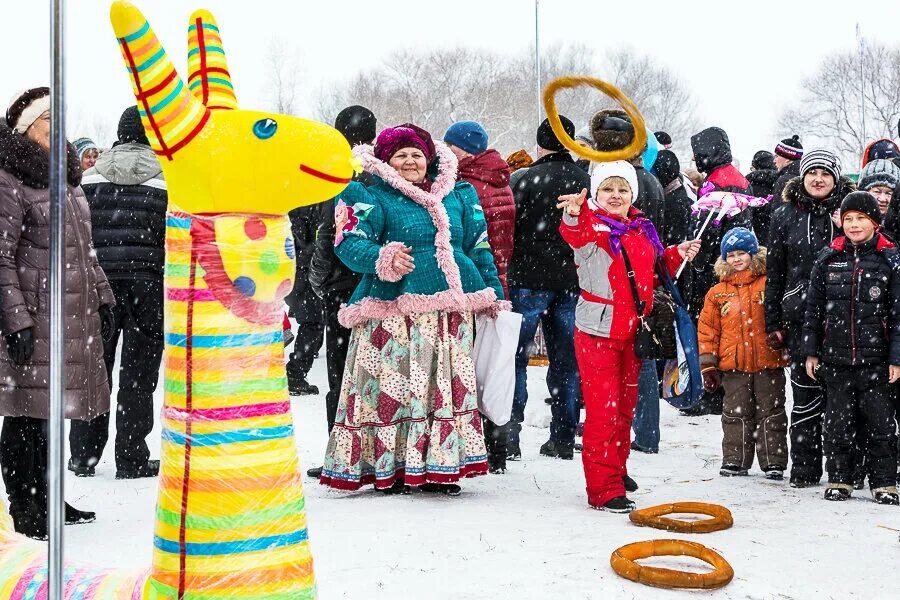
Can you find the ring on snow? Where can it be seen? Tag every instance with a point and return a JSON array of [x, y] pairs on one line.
[[623, 563], [633, 149], [654, 517]]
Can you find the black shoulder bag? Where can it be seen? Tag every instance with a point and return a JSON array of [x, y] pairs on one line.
[[655, 338]]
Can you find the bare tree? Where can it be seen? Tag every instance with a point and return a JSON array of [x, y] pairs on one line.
[[283, 67], [435, 89], [847, 87]]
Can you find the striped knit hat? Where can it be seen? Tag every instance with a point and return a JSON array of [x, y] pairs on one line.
[[821, 159], [84, 144], [790, 148]]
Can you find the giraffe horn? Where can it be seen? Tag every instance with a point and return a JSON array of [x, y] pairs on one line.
[[171, 116], [208, 79]]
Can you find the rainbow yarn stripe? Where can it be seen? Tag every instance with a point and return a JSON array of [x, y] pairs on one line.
[[170, 115], [230, 516], [23, 575], [208, 79]]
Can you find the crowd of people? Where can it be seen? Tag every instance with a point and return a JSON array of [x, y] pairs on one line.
[[392, 274]]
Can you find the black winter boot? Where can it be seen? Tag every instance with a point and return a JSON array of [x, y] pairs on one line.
[[838, 492], [619, 504], [29, 518], [77, 517], [146, 469], [301, 387], [554, 450], [886, 495], [630, 484]]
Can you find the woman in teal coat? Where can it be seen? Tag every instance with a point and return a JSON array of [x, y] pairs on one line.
[[408, 413]]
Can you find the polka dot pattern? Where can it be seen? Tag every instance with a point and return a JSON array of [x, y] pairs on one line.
[[269, 262], [245, 286], [255, 229], [289, 247]]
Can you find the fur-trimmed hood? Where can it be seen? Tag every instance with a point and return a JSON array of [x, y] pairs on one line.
[[795, 192], [27, 162], [726, 272]]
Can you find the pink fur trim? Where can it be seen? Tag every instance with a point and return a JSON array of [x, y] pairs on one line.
[[416, 304], [433, 201], [384, 266]]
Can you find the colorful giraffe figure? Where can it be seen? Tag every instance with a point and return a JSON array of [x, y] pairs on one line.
[[230, 518]]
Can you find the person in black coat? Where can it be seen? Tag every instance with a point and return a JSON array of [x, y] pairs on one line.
[[304, 306], [788, 153], [762, 178], [543, 287], [612, 130], [678, 200], [851, 338], [329, 278], [128, 200], [801, 226]]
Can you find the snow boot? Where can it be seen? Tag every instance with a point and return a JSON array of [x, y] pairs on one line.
[[29, 518], [397, 488], [838, 492], [513, 451], [78, 517], [732, 471], [301, 387], [149, 468], [81, 469], [554, 450], [619, 504], [798, 482], [314, 472], [638, 448], [448, 489], [886, 495], [497, 464], [630, 484], [774, 473]]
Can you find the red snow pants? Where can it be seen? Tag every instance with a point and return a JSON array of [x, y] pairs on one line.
[[609, 385]]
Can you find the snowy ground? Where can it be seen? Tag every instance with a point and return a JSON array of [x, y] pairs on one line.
[[530, 534]]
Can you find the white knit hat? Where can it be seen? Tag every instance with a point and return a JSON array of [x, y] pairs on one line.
[[619, 168]]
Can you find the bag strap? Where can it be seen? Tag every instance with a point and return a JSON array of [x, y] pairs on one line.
[[634, 291]]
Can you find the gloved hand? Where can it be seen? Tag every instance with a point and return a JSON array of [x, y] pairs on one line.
[[20, 346], [106, 322], [711, 379], [775, 340]]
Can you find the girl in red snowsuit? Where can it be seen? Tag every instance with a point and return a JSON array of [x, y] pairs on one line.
[[606, 319]]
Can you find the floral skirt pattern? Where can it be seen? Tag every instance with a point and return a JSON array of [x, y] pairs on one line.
[[408, 407]]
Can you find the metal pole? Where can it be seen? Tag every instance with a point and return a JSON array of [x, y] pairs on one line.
[[56, 449], [862, 84], [537, 59]]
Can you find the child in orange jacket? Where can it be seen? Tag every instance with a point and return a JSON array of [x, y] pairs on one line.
[[732, 335]]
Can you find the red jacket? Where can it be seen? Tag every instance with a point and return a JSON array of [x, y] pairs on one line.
[[489, 174], [606, 307]]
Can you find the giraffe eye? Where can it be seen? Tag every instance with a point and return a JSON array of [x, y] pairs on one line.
[[265, 128]]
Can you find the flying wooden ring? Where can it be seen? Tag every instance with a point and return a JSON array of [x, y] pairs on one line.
[[633, 149], [654, 517], [623, 563]]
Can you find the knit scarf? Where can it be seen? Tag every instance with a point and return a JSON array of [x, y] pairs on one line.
[[617, 229]]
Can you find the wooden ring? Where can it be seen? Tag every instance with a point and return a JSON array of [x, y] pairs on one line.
[[637, 145], [654, 517], [623, 563]]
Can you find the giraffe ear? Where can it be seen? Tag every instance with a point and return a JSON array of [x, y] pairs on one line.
[[208, 78], [171, 116]]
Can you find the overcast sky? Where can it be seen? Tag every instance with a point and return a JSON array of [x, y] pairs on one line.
[[743, 59]]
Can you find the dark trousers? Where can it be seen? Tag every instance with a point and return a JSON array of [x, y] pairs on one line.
[[310, 335], [138, 318], [23, 459], [337, 339], [806, 424], [495, 438], [555, 311], [859, 401], [753, 419]]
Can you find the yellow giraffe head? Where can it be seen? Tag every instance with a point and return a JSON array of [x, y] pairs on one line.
[[215, 157]]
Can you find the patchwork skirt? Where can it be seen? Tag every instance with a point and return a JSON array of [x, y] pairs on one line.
[[408, 407]]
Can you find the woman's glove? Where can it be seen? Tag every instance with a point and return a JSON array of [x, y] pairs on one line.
[[711, 379], [20, 346], [775, 340], [106, 322]]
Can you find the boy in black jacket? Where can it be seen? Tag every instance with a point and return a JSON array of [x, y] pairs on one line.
[[853, 327]]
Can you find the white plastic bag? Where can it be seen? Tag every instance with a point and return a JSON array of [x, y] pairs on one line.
[[496, 341]]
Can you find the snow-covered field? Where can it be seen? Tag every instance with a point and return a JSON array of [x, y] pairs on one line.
[[530, 534]]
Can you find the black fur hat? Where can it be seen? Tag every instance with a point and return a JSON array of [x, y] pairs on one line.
[[611, 129], [547, 140]]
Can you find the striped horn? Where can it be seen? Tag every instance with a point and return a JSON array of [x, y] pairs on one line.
[[171, 115], [208, 79]]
